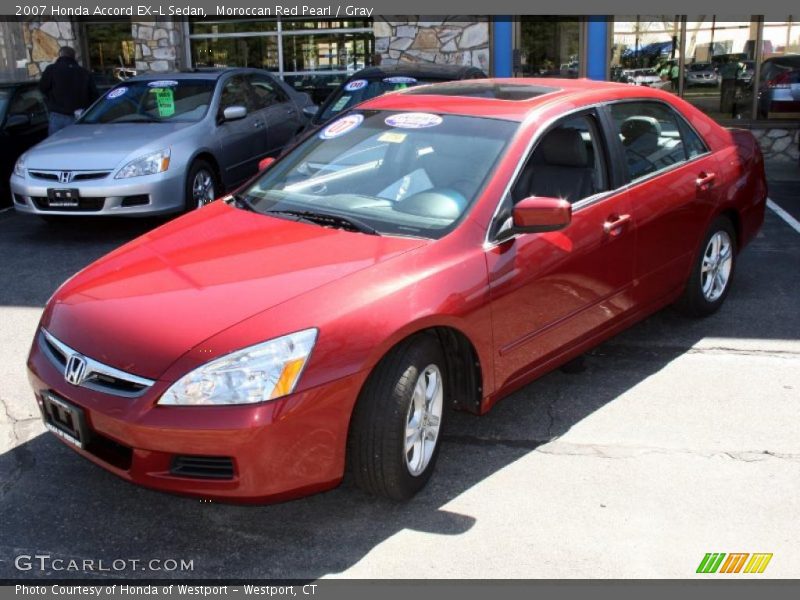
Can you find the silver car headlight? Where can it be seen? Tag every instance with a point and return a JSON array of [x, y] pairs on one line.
[[19, 166], [258, 373], [149, 164]]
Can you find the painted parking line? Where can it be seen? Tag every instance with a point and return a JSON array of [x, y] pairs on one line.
[[789, 219]]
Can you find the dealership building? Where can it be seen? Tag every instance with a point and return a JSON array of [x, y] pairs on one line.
[[741, 71]]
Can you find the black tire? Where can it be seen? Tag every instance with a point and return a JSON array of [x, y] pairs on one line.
[[198, 166], [694, 302], [377, 459]]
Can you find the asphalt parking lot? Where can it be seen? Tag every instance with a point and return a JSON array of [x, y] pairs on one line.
[[675, 439]]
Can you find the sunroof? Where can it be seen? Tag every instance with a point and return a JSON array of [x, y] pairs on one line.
[[476, 89]]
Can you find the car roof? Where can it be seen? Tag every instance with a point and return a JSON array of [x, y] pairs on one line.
[[550, 90], [426, 70]]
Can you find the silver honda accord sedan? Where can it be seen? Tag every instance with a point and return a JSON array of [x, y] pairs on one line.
[[160, 143]]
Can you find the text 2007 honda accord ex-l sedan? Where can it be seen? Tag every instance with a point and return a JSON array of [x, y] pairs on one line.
[[432, 249]]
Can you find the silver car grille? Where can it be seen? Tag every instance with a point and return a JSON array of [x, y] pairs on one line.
[[86, 372], [67, 176]]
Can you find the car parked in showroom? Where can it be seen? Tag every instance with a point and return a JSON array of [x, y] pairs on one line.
[[23, 123], [160, 143], [436, 248], [375, 81]]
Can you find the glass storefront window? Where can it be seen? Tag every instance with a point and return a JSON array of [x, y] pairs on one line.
[[719, 66], [779, 81], [112, 53], [548, 46], [203, 27], [260, 52], [645, 50], [312, 56]]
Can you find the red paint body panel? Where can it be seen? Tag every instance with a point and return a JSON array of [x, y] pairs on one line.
[[221, 279]]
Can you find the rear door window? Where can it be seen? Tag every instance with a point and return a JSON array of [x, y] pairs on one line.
[[653, 137]]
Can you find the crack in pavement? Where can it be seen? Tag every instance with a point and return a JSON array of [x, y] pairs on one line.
[[22, 456], [561, 448], [638, 350]]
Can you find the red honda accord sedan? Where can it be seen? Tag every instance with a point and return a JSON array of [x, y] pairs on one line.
[[431, 249]]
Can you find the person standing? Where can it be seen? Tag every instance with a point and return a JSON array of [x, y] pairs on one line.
[[67, 88]]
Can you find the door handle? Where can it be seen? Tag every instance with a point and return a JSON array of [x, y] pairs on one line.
[[615, 224], [257, 124], [705, 180]]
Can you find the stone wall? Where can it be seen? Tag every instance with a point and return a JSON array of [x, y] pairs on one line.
[[460, 40], [42, 41], [158, 45], [778, 144]]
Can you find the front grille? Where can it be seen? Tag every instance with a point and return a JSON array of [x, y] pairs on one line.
[[73, 175], [202, 467], [98, 377], [84, 204]]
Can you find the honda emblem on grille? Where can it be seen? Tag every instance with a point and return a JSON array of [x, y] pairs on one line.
[[64, 176], [75, 370]]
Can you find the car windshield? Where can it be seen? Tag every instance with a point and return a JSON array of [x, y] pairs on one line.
[[153, 101], [401, 173], [700, 67], [358, 90]]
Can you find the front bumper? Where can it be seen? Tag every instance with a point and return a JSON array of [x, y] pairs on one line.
[[279, 450], [137, 196]]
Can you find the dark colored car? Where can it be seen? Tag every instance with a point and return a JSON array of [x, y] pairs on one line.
[[23, 115], [779, 85], [376, 81]]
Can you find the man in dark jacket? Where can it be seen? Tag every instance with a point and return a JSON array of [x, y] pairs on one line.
[[68, 87]]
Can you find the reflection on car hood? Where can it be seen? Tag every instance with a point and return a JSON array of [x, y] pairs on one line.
[[98, 147], [147, 303]]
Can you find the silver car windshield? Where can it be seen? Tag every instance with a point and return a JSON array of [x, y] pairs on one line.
[[153, 101], [403, 173]]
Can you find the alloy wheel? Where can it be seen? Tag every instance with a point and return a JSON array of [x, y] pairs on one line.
[[423, 420], [202, 188], [715, 271]]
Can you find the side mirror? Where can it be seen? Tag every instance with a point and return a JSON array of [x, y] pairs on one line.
[[310, 111], [538, 214], [234, 113], [16, 121], [264, 163]]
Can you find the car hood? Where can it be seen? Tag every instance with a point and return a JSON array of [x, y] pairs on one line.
[[147, 303], [99, 147]]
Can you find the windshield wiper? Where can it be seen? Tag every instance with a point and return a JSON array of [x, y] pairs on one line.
[[330, 220], [244, 202]]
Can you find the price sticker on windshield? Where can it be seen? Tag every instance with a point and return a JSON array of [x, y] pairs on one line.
[[355, 85], [415, 120], [400, 80], [341, 126], [120, 91], [165, 101]]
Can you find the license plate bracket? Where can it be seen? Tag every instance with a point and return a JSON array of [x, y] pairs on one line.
[[63, 197], [64, 419]]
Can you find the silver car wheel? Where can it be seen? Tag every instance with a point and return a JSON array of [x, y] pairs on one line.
[[715, 272], [423, 420], [203, 190]]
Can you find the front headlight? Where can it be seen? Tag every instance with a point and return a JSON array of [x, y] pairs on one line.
[[19, 166], [262, 372], [149, 164]]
